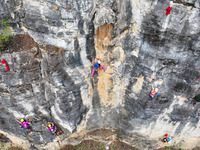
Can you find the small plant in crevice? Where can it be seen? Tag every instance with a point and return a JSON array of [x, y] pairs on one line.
[[64, 18], [1, 145], [118, 134], [5, 35], [57, 48], [197, 98]]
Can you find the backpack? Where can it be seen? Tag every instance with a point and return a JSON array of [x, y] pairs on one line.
[[96, 65]]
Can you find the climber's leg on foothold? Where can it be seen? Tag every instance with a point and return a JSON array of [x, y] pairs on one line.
[[93, 72], [157, 94], [102, 66]]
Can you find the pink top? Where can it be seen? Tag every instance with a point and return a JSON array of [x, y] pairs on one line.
[[25, 124], [52, 128]]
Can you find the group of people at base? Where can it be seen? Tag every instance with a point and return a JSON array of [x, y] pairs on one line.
[[26, 125], [166, 139]]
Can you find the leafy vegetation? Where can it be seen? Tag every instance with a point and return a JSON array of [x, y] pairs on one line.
[[197, 98], [172, 148], [5, 34], [118, 134]]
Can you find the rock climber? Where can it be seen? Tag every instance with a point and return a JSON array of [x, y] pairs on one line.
[[51, 127], [164, 139], [4, 62], [25, 124], [168, 9], [153, 93], [169, 139], [97, 65]]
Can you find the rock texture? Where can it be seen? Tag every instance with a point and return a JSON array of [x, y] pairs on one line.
[[50, 71]]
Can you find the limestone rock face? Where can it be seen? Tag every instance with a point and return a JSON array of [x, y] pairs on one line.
[[51, 62]]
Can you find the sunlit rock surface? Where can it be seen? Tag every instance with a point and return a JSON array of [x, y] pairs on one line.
[[50, 71]]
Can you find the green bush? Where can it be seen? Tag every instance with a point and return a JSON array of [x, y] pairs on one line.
[[197, 98], [172, 148], [5, 34]]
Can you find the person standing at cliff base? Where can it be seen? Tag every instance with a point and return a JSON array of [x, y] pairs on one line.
[[153, 93], [51, 127], [24, 124], [97, 65]]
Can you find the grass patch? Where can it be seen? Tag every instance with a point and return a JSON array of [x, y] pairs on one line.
[[172, 148], [3, 146], [118, 135]]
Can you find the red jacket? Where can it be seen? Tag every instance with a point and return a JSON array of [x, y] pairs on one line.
[[153, 93], [168, 10]]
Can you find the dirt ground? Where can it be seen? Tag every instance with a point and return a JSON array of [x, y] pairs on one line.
[[102, 133], [94, 145], [24, 42]]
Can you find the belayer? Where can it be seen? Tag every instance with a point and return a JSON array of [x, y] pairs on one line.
[[153, 93], [51, 127], [97, 65], [24, 124]]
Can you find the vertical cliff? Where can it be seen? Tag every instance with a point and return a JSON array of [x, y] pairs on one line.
[[50, 60]]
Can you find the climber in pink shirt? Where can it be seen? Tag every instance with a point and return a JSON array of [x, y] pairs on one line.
[[51, 127], [4, 62], [25, 124]]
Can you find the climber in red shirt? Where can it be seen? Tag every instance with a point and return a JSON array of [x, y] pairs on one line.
[[153, 93], [168, 10], [4, 62]]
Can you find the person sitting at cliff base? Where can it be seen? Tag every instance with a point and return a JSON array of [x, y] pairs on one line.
[[97, 65], [166, 139], [25, 124], [51, 127], [153, 93]]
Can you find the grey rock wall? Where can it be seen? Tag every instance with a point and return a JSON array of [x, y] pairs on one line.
[[50, 75]]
